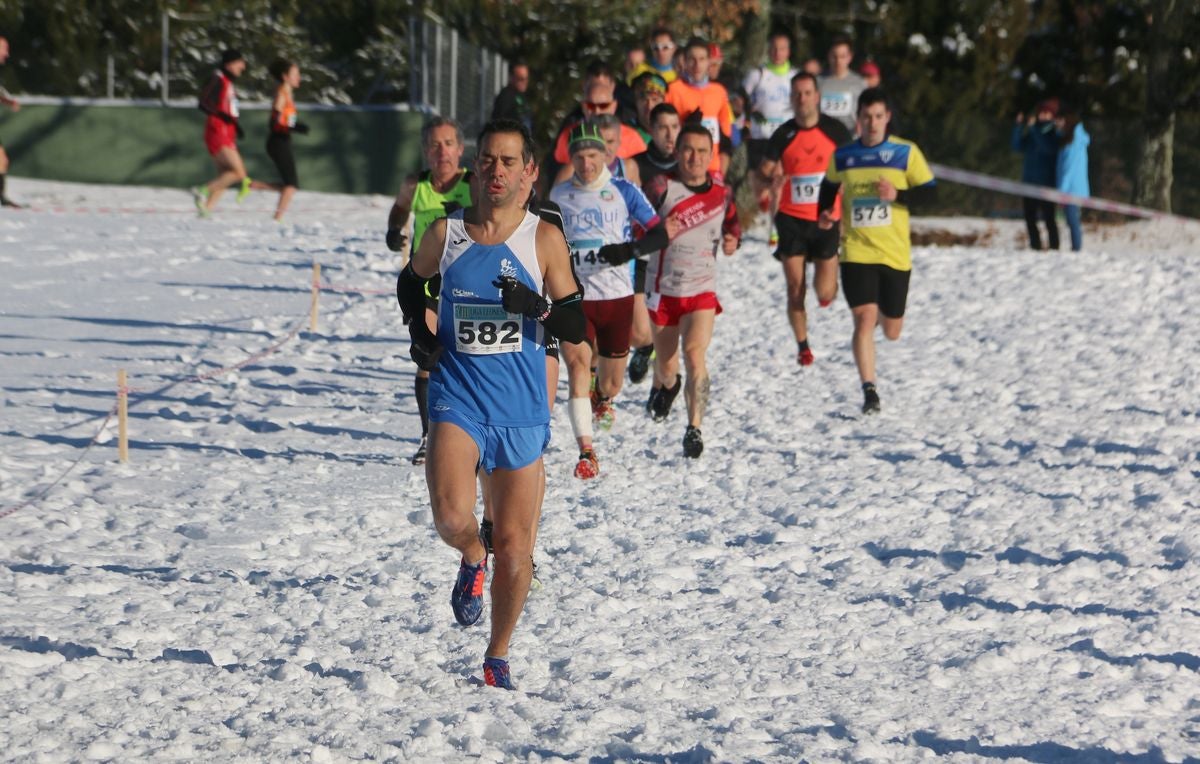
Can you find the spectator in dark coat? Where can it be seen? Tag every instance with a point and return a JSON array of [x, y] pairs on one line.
[[512, 102], [1036, 138]]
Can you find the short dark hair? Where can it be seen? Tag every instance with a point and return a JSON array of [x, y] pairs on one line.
[[598, 68], [504, 125], [280, 67], [807, 76], [694, 128], [436, 122], [696, 42], [872, 96], [780, 33], [842, 39], [661, 109], [661, 32]]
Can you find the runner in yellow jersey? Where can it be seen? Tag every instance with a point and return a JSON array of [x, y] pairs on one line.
[[882, 177], [435, 193]]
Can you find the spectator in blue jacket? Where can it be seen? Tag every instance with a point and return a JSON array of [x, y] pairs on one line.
[[1072, 172], [1035, 137]]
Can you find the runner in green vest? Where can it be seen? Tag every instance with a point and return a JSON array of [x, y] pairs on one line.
[[435, 193]]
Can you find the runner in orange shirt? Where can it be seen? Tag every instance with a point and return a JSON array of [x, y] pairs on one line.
[[693, 93]]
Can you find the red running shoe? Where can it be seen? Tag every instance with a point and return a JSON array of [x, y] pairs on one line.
[[588, 466]]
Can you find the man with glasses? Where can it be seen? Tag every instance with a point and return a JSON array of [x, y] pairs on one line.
[[662, 53], [599, 98]]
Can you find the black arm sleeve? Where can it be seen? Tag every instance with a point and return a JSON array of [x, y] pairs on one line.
[[726, 145], [919, 196], [828, 195], [410, 293], [566, 321], [654, 240]]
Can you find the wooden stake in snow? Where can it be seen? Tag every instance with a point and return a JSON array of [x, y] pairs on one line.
[[316, 297], [122, 417]]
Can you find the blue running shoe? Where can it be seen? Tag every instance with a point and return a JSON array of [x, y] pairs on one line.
[[467, 597], [496, 674]]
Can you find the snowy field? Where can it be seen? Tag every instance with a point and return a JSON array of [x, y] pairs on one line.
[[1005, 564]]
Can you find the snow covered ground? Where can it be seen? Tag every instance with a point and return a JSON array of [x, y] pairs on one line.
[[1004, 565]]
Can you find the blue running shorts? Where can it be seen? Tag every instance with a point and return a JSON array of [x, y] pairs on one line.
[[506, 448]]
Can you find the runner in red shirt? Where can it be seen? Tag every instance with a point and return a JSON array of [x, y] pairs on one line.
[[797, 155], [221, 130]]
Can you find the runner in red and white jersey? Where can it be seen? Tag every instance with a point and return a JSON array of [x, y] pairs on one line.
[[681, 280]]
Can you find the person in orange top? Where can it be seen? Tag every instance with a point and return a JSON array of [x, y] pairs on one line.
[[797, 155], [283, 124], [599, 99], [695, 93]]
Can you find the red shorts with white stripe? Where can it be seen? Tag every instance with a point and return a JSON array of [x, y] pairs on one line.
[[609, 325], [666, 310]]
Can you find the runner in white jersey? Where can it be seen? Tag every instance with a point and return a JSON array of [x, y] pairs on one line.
[[769, 90], [600, 211], [681, 281]]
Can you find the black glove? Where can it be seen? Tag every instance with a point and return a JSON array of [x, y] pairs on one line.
[[300, 127], [240, 132], [616, 254], [396, 240], [228, 119], [518, 298], [426, 357]]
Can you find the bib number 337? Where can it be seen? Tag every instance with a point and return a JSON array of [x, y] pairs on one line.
[[486, 330]]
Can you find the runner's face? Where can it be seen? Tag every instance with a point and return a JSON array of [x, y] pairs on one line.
[[443, 152], [236, 67], [695, 61], [873, 123], [781, 50], [665, 132], [588, 164], [292, 78], [502, 170], [663, 50], [520, 78], [646, 101], [806, 100], [839, 59], [612, 139], [3, 50], [695, 154]]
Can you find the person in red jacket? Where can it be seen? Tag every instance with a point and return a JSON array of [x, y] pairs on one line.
[[221, 131]]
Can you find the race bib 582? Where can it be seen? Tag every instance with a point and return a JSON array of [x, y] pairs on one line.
[[486, 329]]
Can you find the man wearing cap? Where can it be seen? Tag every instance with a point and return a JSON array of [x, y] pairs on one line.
[[649, 90], [221, 132], [599, 97], [600, 211], [871, 74], [1036, 138]]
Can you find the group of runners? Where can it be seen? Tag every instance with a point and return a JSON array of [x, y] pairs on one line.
[[222, 129], [631, 220]]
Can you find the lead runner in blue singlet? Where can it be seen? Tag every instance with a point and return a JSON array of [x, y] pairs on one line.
[[487, 392]]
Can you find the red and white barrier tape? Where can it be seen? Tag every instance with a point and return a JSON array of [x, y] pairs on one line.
[[1016, 188]]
